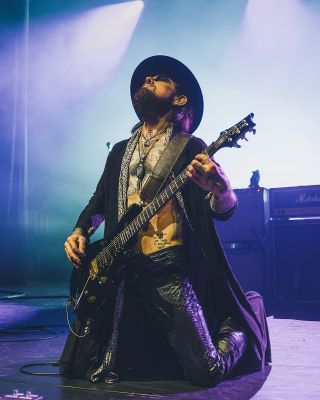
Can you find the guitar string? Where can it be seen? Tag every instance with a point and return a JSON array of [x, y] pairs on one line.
[[140, 219], [108, 248], [215, 145], [131, 225], [113, 243]]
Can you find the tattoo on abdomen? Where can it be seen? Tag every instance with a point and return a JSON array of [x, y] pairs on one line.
[[160, 241]]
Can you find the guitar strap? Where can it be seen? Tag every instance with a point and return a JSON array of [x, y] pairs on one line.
[[164, 166]]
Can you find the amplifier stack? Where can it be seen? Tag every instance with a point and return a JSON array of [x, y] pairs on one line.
[[294, 238], [272, 243]]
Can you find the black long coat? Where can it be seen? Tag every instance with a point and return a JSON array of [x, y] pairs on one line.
[[213, 280]]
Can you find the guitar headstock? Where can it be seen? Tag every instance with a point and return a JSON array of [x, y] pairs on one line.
[[231, 136]]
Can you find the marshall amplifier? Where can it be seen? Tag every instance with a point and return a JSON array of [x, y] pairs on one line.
[[296, 260], [296, 201]]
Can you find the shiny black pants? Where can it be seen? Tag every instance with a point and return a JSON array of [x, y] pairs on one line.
[[161, 281]]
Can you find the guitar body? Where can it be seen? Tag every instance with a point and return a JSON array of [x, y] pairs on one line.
[[95, 283]]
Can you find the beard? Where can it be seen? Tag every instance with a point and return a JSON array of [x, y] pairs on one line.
[[150, 107]]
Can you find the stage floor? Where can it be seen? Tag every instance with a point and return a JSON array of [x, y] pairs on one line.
[[294, 375]]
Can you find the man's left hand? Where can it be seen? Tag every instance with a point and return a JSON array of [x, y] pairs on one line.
[[208, 174]]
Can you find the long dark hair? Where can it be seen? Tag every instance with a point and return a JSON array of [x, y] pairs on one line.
[[182, 118]]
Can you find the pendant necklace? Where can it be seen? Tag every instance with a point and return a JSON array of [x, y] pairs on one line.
[[148, 139], [147, 146]]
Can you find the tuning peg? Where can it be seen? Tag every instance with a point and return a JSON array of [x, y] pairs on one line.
[[244, 138], [237, 145], [253, 131]]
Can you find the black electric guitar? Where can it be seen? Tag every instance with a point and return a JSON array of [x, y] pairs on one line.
[[94, 283]]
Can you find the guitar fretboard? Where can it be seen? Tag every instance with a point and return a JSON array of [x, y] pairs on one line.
[[148, 212], [227, 138]]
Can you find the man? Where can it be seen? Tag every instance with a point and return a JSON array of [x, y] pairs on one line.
[[179, 279]]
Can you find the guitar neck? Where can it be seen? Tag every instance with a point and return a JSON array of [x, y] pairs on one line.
[[153, 207], [148, 212], [227, 138], [161, 199]]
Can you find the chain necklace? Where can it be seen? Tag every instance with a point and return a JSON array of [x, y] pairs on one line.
[[143, 153], [148, 139]]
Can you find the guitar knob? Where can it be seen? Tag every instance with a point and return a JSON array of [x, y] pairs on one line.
[[103, 280], [91, 299]]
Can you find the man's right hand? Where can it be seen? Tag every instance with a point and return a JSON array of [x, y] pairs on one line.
[[75, 247]]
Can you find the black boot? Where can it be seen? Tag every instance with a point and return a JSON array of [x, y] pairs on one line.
[[231, 343]]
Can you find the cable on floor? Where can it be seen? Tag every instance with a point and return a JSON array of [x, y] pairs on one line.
[[31, 330], [24, 370]]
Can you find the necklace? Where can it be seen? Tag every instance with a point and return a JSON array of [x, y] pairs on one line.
[[147, 139], [143, 153]]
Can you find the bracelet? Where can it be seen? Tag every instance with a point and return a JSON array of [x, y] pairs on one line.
[[211, 197]]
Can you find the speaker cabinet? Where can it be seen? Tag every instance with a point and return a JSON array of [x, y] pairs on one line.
[[249, 222], [249, 264], [243, 239], [296, 260]]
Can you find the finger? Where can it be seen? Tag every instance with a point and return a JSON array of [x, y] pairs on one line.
[[71, 254], [208, 168], [74, 263], [206, 160], [73, 241], [194, 177], [192, 172], [82, 245], [198, 166], [203, 158]]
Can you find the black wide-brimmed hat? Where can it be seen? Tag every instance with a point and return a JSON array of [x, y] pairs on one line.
[[179, 73]]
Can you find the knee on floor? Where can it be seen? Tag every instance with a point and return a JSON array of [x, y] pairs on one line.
[[208, 376]]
